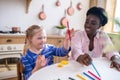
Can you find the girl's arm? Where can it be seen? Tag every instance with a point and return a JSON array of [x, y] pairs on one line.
[[68, 36]]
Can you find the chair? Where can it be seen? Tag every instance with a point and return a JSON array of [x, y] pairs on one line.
[[20, 70]]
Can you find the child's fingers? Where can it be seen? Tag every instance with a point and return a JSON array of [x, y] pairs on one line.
[[43, 57], [39, 58], [47, 60], [72, 32], [69, 33], [44, 62]]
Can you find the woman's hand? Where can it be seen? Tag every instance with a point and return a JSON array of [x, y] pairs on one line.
[[84, 59], [115, 62], [68, 36], [40, 62]]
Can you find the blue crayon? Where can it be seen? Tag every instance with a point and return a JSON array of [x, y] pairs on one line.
[[88, 76], [95, 69]]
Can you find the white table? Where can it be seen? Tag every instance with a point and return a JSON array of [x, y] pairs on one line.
[[54, 72]]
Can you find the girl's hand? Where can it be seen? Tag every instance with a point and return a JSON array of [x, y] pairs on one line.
[[115, 62], [68, 36], [41, 61], [84, 59]]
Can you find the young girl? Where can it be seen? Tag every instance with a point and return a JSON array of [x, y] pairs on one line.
[[37, 53]]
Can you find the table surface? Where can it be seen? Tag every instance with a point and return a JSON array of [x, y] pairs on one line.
[[53, 72]]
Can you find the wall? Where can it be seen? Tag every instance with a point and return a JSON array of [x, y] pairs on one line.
[[12, 13]]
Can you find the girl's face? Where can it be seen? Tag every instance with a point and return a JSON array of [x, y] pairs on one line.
[[92, 24], [38, 40]]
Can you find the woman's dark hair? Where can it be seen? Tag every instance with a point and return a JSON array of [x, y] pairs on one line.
[[99, 12]]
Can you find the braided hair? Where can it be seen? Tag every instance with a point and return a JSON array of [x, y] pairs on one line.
[[30, 32]]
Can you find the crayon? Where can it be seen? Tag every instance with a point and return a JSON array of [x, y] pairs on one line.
[[95, 69], [68, 30], [88, 76], [94, 75], [71, 78], [81, 77]]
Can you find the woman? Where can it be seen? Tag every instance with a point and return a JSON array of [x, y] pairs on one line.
[[91, 42]]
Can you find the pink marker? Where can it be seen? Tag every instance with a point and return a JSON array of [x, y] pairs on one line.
[[94, 75]]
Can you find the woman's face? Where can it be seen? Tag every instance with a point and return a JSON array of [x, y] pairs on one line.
[[92, 24], [38, 40]]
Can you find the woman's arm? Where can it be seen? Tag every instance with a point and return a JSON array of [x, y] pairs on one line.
[[112, 54], [115, 62], [77, 50], [76, 46]]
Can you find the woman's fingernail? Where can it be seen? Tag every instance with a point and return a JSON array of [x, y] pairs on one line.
[[111, 66]]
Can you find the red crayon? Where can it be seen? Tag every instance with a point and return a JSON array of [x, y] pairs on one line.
[[94, 75], [68, 30]]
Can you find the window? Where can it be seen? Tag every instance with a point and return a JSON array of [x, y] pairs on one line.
[[117, 16]]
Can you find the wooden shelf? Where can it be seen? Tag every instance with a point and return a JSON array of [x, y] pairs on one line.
[[51, 39]]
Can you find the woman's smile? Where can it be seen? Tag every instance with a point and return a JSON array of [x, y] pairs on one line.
[[87, 29]]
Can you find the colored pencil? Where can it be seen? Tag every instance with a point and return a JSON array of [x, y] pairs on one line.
[[88, 76], [71, 78], [81, 77], [95, 69], [94, 75]]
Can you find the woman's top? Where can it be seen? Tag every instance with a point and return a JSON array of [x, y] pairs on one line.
[[80, 45]]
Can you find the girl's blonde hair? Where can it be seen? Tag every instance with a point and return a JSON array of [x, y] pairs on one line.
[[30, 32]]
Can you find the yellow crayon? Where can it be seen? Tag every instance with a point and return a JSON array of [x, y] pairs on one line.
[[80, 76]]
